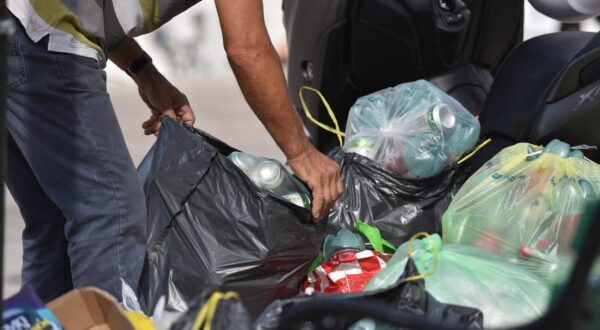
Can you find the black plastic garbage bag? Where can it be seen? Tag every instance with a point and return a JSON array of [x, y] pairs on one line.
[[404, 304], [399, 207], [214, 310], [209, 225]]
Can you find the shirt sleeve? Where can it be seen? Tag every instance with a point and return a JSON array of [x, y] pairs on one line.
[[137, 17]]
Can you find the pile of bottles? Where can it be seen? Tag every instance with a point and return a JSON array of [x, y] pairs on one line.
[[272, 176], [525, 204], [414, 130]]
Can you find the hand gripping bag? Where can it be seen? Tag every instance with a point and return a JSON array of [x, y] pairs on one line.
[[210, 226]]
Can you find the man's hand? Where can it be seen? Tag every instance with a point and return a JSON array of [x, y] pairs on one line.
[[156, 91], [322, 176], [163, 99]]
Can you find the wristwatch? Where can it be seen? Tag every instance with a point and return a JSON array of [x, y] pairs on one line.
[[138, 64]]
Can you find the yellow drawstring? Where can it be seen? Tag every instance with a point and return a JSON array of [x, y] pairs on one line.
[[340, 135], [481, 145], [335, 130], [206, 314], [435, 257]]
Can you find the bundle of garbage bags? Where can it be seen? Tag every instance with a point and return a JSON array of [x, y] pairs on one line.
[[230, 233]]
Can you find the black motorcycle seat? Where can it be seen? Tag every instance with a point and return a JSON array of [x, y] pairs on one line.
[[533, 75]]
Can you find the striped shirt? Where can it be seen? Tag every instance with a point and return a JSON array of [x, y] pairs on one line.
[[92, 27]]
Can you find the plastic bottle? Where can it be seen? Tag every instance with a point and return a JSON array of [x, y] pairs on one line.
[[244, 161], [424, 156], [576, 154], [570, 194], [270, 175], [461, 140], [361, 145], [342, 241], [559, 148]]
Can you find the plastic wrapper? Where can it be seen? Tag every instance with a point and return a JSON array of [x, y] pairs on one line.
[[344, 271], [525, 204], [209, 225], [507, 294], [159, 319], [272, 176], [214, 310], [404, 299], [399, 207], [413, 130], [26, 311]]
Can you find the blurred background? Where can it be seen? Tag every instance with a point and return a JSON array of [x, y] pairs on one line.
[[189, 52]]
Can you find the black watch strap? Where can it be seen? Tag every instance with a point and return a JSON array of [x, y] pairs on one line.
[[138, 64]]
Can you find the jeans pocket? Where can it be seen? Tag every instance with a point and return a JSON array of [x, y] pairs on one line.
[[15, 63]]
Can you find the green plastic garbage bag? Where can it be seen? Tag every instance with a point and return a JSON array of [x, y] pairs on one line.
[[525, 204], [508, 295]]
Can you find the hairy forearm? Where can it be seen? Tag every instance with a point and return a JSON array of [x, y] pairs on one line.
[[261, 79]]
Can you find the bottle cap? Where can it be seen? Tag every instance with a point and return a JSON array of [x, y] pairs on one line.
[[269, 172]]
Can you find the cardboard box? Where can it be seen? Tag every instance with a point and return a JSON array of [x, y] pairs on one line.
[[89, 309]]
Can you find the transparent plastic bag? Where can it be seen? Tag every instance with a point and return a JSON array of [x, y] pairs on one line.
[[414, 129], [525, 204], [271, 175], [507, 294], [160, 318]]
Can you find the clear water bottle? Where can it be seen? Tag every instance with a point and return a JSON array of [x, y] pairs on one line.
[[361, 145], [576, 154], [463, 138], [558, 148], [269, 175], [272, 176], [344, 240], [424, 156]]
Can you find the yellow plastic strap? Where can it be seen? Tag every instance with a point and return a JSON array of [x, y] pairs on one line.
[[481, 145], [335, 130], [435, 257], [206, 314]]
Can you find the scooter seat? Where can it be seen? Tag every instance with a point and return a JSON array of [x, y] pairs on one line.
[[548, 87]]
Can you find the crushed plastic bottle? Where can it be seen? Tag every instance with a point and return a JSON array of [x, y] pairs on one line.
[[272, 176]]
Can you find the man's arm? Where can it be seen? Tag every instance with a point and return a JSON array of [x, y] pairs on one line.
[[156, 91], [261, 79]]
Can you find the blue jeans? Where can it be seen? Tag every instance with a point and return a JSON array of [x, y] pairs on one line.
[[71, 174]]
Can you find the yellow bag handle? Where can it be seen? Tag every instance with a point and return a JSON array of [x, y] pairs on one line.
[[435, 257], [335, 130], [474, 151], [340, 135], [206, 314]]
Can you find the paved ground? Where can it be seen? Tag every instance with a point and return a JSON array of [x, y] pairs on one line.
[[220, 109]]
